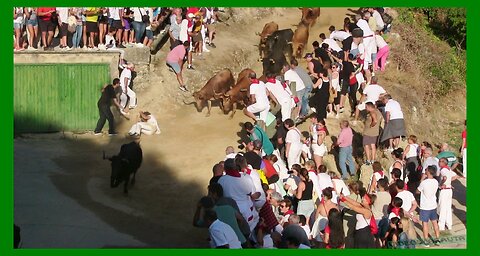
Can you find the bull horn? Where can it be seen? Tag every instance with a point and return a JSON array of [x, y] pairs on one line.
[[188, 103], [289, 43], [226, 95], [243, 90], [257, 33]]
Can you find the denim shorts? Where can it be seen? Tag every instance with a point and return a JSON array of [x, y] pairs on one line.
[[174, 66], [427, 215], [32, 22], [148, 34]]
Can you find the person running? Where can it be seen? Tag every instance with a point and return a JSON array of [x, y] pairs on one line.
[[104, 103], [259, 104]]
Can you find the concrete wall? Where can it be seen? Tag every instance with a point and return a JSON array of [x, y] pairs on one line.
[[70, 57], [139, 56]]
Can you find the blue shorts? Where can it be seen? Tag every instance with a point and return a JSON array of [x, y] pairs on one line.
[[149, 34], [32, 22], [174, 66], [427, 215]]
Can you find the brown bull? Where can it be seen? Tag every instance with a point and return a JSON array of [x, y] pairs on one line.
[[214, 89], [300, 39], [240, 93], [310, 15], [268, 29]]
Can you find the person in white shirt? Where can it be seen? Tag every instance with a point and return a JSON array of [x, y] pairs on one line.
[[127, 93], [394, 122], [280, 95], [291, 77], [409, 205], [368, 42], [332, 44], [229, 153], [138, 24], [63, 13], [293, 143], [371, 93], [383, 50], [378, 19], [259, 100], [430, 160], [338, 34], [446, 193], [147, 125], [245, 168], [428, 203], [240, 188], [221, 234]]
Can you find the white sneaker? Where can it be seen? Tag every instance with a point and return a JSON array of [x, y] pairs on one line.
[[139, 45], [85, 47], [32, 49], [97, 133], [102, 47], [67, 48], [206, 50], [337, 116]]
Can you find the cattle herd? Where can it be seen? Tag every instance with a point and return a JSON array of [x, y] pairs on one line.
[[275, 47]]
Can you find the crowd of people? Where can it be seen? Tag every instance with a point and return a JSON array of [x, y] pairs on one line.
[[93, 28], [279, 193]]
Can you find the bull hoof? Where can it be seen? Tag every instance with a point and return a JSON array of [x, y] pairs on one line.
[[230, 117], [207, 115]]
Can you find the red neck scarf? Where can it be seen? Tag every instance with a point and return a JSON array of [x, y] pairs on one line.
[[255, 81], [271, 80], [233, 173], [396, 210]]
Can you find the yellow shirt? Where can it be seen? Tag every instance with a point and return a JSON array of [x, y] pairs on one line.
[[93, 17]]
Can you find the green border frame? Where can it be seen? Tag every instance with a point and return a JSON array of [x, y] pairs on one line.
[[6, 134]]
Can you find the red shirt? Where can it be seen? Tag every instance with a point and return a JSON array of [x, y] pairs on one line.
[[266, 212], [464, 136], [47, 16], [193, 10]]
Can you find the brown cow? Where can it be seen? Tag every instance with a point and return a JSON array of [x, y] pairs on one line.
[[214, 89], [268, 29], [310, 15], [300, 39], [240, 93]]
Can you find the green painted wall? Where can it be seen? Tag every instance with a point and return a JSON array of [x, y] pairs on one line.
[[57, 97]]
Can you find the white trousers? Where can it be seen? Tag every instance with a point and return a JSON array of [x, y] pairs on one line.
[[143, 127], [294, 157], [286, 108], [132, 95], [369, 44], [445, 209], [464, 162]]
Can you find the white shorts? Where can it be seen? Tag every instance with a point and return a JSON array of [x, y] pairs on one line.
[[359, 76], [259, 108], [361, 106], [319, 150]]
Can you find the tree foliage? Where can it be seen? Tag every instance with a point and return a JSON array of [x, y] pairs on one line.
[[450, 24]]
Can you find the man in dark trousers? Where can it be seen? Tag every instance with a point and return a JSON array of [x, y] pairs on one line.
[[104, 103]]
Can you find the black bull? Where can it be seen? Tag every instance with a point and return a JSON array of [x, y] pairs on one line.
[[125, 164], [278, 44]]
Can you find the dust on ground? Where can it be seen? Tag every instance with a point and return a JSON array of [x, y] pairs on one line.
[[177, 164]]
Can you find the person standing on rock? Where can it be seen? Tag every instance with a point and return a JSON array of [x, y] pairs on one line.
[[428, 203], [127, 93], [371, 131], [394, 122], [344, 142], [446, 193], [175, 61], [104, 103]]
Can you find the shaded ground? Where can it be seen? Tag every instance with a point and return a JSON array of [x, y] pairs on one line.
[[62, 194]]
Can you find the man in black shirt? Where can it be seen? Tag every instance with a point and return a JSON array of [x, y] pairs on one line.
[[104, 103], [322, 54]]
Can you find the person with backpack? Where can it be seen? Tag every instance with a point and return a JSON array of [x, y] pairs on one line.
[[366, 227]]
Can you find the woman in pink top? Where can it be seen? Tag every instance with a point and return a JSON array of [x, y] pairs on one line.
[[344, 142]]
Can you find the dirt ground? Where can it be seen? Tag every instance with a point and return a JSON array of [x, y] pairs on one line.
[[177, 163]]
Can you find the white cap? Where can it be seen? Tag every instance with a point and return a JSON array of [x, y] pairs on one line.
[[191, 15]]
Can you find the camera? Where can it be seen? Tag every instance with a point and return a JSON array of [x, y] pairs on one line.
[[241, 146]]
